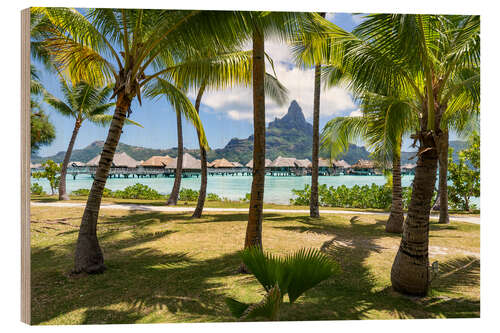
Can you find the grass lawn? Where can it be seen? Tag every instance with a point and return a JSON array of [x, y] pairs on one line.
[[167, 267]]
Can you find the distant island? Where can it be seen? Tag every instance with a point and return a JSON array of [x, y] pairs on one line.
[[289, 136]]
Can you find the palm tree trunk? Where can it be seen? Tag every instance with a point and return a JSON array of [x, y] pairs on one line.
[[314, 201], [174, 195], [254, 227], [203, 158], [443, 179], [64, 168], [88, 254], [396, 218], [410, 270]]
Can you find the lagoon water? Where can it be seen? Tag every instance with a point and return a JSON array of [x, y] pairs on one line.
[[277, 189]]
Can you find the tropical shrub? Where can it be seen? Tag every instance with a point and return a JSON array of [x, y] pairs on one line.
[[50, 172], [83, 192], [213, 197], [293, 275], [187, 194], [137, 191], [37, 189], [465, 176], [365, 196]]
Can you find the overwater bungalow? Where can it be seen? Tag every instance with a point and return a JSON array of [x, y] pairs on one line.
[[120, 160], [287, 166], [237, 165], [341, 167], [408, 169], [250, 163], [326, 167], [155, 162], [191, 166], [221, 163], [363, 167], [35, 166]]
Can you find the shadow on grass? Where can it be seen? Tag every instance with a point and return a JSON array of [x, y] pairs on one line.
[[355, 293], [144, 279]]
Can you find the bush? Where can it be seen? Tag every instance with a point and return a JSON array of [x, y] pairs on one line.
[[247, 197], [37, 189], [365, 196], [137, 191], [84, 192], [187, 194], [213, 197]]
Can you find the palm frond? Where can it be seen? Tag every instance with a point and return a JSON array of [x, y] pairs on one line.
[[162, 88]]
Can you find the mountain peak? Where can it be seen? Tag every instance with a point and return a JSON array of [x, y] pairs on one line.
[[294, 119]]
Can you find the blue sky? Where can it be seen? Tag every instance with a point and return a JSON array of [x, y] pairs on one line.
[[225, 114]]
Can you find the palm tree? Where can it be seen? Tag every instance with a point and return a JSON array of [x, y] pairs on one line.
[[428, 59], [287, 26], [127, 47], [82, 102], [314, 201], [383, 123], [221, 71], [174, 194]]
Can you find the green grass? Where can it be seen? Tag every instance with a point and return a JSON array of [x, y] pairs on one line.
[[167, 267]]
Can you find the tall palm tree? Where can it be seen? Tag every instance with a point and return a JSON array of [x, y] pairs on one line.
[[314, 201], [428, 59], [126, 47], [222, 70], [383, 123], [82, 102], [287, 26]]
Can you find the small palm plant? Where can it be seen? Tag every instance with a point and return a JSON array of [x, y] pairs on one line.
[[292, 275]]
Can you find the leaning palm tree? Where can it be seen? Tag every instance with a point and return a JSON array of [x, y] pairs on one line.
[[126, 47], [222, 71], [382, 125], [423, 58], [82, 102]]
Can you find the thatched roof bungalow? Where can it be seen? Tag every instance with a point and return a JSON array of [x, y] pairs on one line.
[[120, 160], [35, 166], [305, 163], [408, 168], [237, 165], [156, 161], [342, 164], [283, 162], [221, 163], [363, 167], [250, 164], [188, 163]]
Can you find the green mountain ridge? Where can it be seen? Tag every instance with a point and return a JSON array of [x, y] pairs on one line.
[[289, 136]]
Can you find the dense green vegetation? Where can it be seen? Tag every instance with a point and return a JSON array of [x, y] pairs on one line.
[[465, 176], [51, 173]]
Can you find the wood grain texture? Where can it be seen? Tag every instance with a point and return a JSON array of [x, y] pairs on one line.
[[25, 169]]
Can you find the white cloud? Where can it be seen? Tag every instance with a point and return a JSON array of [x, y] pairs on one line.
[[237, 104], [330, 16], [356, 113], [357, 18]]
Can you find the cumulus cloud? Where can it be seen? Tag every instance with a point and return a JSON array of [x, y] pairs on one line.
[[237, 104]]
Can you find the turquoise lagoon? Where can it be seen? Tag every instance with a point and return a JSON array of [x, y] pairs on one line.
[[277, 189]]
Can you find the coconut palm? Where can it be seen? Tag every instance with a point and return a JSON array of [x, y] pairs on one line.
[[222, 71], [314, 201], [428, 59], [383, 123], [126, 47], [286, 26], [82, 102]]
